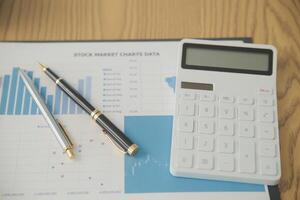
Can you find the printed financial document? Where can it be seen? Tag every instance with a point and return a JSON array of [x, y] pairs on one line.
[[133, 83]]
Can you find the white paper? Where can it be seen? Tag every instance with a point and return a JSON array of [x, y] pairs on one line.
[[120, 78]]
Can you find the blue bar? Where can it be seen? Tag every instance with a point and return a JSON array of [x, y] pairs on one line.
[[12, 92], [27, 97], [65, 103], [88, 87], [43, 95], [50, 102], [57, 100], [72, 107], [81, 91], [81, 86], [20, 94], [34, 107], [4, 94]]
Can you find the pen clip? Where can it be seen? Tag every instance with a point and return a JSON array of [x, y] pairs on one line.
[[69, 148], [65, 132], [112, 141]]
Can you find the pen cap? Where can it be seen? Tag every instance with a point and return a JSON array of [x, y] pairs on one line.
[[116, 135]]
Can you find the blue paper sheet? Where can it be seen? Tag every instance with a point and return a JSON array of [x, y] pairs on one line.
[[148, 171]]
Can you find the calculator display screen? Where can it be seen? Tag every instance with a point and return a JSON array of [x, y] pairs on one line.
[[197, 86], [230, 59]]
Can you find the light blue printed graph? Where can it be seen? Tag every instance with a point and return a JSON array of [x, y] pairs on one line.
[[148, 171], [171, 81], [16, 100]]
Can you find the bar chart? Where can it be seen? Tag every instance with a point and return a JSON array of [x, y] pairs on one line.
[[16, 100]]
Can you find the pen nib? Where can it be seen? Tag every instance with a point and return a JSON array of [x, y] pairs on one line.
[[43, 67]]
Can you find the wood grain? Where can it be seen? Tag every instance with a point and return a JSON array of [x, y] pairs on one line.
[[275, 22]]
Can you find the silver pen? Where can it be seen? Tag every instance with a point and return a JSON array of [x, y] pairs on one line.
[[55, 126]]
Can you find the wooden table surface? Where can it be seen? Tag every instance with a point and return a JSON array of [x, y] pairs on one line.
[[274, 22]]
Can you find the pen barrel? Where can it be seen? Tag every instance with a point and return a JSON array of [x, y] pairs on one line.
[[76, 96], [64, 140], [115, 134], [118, 136], [56, 128], [51, 74]]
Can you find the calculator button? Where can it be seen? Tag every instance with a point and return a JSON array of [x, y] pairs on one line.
[[226, 99], [205, 161], [226, 111], [245, 113], [247, 156], [206, 110], [206, 126], [245, 100], [266, 114], [226, 127], [267, 149], [185, 159], [205, 143], [246, 129], [188, 96], [265, 91], [186, 124], [266, 131], [225, 162], [186, 141], [187, 108], [265, 101], [207, 97], [268, 166], [225, 145]]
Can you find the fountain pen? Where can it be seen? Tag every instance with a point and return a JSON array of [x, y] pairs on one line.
[[55, 126], [109, 129]]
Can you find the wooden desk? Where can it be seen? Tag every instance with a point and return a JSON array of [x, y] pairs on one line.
[[275, 22]]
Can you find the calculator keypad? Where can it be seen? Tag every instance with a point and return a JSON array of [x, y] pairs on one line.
[[227, 134]]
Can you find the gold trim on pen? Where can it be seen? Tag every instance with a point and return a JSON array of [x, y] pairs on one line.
[[70, 153], [95, 114], [133, 149], [58, 80]]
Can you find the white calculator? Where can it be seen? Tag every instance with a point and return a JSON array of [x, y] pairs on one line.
[[226, 123]]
